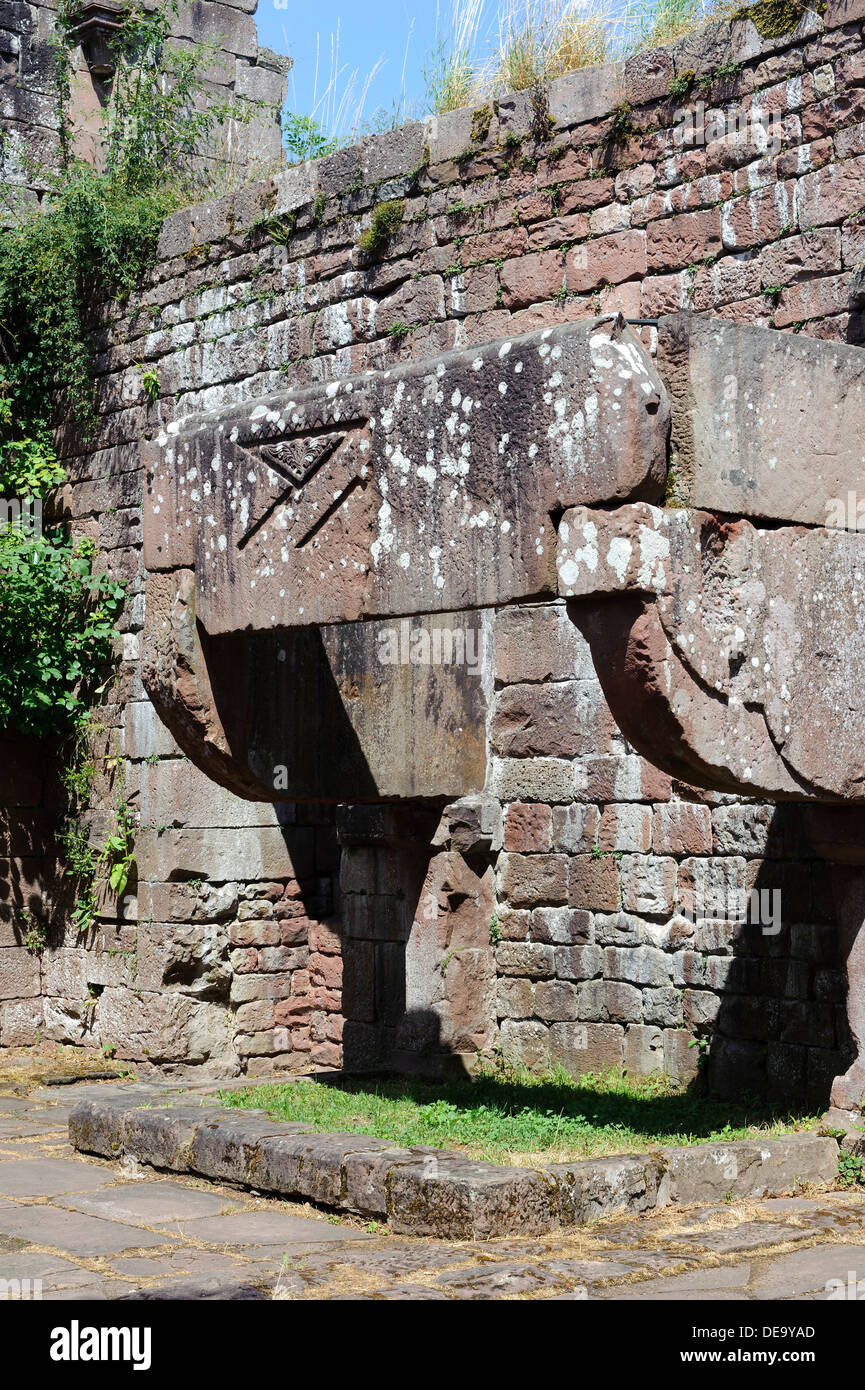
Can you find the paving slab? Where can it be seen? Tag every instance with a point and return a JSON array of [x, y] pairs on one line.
[[201, 1291], [11, 1148], [24, 1129], [74, 1231], [185, 1261], [152, 1203], [47, 1177], [656, 1261], [411, 1293], [97, 1291], [751, 1235], [35, 1264], [265, 1228], [806, 1271], [587, 1271], [406, 1258], [499, 1280]]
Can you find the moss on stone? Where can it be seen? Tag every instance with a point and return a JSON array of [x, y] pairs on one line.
[[482, 119], [386, 222], [682, 84], [773, 18]]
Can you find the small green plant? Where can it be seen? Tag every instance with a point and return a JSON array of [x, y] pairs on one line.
[[724, 72], [304, 138], [279, 229], [653, 23], [28, 466], [495, 931], [773, 18], [117, 852], [447, 958], [681, 85], [386, 222], [621, 125], [35, 936], [449, 74], [150, 383], [398, 330], [482, 119], [57, 617], [675, 493], [851, 1170]]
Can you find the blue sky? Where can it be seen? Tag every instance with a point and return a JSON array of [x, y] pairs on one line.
[[400, 32]]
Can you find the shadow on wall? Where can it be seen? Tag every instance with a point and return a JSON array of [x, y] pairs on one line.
[[781, 1027], [299, 707], [30, 800], [418, 963], [766, 999]]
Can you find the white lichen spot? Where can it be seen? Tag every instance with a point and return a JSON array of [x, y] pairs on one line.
[[619, 556]]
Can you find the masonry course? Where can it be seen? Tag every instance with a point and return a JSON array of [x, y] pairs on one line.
[[271, 939]]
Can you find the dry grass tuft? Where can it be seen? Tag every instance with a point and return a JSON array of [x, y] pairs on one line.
[[536, 41]]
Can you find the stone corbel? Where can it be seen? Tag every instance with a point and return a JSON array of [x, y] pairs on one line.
[[96, 23]]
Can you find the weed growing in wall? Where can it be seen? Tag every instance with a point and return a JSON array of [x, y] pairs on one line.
[[386, 222], [57, 621], [96, 230], [93, 236], [91, 239]]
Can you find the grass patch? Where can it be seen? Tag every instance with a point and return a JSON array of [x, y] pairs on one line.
[[520, 1118]]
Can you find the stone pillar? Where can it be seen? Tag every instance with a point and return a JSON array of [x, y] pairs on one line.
[[838, 833], [417, 904], [848, 1090]]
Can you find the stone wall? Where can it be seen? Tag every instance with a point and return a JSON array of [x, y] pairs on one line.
[[605, 863], [559, 933], [240, 70]]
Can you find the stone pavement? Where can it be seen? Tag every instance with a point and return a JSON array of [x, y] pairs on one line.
[[91, 1229]]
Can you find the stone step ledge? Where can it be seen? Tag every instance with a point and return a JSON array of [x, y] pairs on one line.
[[436, 1192]]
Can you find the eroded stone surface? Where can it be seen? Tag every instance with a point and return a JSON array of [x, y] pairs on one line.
[[169, 1240], [422, 489], [765, 425], [734, 657], [440, 1193], [405, 498]]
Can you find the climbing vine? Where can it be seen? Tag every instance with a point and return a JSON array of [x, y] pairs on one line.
[[96, 229], [89, 241]]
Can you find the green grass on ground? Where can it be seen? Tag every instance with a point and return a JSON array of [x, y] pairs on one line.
[[520, 1118]]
